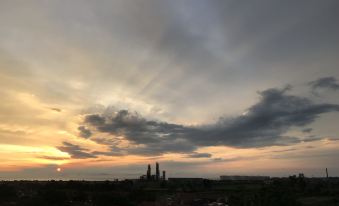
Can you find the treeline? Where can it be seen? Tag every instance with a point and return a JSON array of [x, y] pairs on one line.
[[292, 191]]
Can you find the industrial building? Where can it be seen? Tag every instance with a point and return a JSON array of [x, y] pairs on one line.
[[154, 177]]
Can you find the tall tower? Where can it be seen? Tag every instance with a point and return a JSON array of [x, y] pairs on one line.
[[326, 173], [164, 175], [157, 172], [148, 172]]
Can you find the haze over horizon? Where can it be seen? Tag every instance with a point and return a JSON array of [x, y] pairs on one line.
[[205, 88]]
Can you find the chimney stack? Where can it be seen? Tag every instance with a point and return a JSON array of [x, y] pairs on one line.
[[164, 175], [157, 172], [149, 172], [326, 173]]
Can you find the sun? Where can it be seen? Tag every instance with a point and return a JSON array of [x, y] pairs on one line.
[[58, 169]]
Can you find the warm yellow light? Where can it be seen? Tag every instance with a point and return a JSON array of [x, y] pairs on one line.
[[58, 169]]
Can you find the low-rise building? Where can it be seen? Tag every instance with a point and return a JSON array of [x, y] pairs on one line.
[[244, 178]]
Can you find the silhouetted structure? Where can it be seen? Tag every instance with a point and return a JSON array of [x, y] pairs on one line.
[[153, 177], [157, 172], [326, 173], [149, 172], [164, 175]]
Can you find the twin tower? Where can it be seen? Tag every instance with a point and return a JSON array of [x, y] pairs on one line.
[[155, 177]]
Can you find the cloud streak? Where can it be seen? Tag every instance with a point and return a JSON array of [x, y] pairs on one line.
[[75, 151], [199, 155], [328, 83]]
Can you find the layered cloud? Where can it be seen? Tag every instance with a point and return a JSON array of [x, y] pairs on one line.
[[263, 124]]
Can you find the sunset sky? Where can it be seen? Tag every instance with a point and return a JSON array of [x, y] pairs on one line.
[[102, 88]]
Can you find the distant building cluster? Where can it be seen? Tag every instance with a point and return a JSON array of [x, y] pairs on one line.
[[154, 177], [245, 178], [186, 180]]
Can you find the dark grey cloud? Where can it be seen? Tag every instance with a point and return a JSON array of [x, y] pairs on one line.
[[312, 138], [95, 120], [329, 83], [84, 132], [75, 151], [56, 109], [78, 152], [100, 153], [307, 130], [199, 155], [105, 140], [170, 145], [135, 128], [153, 137], [264, 124]]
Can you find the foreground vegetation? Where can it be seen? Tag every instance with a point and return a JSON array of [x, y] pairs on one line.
[[280, 191]]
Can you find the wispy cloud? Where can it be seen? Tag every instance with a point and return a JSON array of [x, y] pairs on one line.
[[328, 83]]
